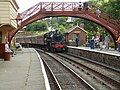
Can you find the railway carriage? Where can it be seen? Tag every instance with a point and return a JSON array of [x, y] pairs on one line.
[[52, 41]]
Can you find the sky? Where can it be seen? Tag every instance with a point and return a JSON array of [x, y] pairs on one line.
[[26, 4]]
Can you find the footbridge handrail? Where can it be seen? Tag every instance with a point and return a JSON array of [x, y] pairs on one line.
[[49, 6], [43, 7]]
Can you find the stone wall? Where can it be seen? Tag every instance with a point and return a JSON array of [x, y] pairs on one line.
[[112, 61]]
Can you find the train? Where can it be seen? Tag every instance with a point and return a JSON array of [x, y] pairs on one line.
[[52, 41]]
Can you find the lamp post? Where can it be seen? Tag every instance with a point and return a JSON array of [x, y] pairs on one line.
[[18, 20]]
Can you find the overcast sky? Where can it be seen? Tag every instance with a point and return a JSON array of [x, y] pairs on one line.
[[25, 4]]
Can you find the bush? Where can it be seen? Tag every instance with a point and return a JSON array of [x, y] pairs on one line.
[[112, 45]]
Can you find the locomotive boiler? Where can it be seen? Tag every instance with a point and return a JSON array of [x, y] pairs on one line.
[[55, 41]]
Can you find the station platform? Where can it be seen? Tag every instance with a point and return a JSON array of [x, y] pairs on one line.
[[25, 71], [105, 51]]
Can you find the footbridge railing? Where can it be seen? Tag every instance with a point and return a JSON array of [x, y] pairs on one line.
[[44, 9], [49, 6]]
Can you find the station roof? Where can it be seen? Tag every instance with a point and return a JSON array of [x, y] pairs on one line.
[[5, 27], [73, 28]]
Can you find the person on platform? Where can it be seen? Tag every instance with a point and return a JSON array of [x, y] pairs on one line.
[[77, 41], [107, 41], [7, 49], [92, 42], [118, 41]]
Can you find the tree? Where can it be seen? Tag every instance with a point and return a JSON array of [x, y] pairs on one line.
[[61, 28], [111, 7], [37, 26]]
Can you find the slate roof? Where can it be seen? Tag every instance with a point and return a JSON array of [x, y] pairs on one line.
[[71, 29]]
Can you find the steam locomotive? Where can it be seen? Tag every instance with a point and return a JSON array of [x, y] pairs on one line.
[[55, 41], [52, 41]]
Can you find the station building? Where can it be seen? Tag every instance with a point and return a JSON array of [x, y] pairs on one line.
[[76, 31], [8, 14]]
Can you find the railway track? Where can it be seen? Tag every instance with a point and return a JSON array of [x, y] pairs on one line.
[[65, 78], [98, 77], [104, 75]]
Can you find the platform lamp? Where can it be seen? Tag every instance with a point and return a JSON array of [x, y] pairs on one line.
[[18, 20]]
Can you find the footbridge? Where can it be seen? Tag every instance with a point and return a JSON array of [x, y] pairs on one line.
[[70, 9]]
